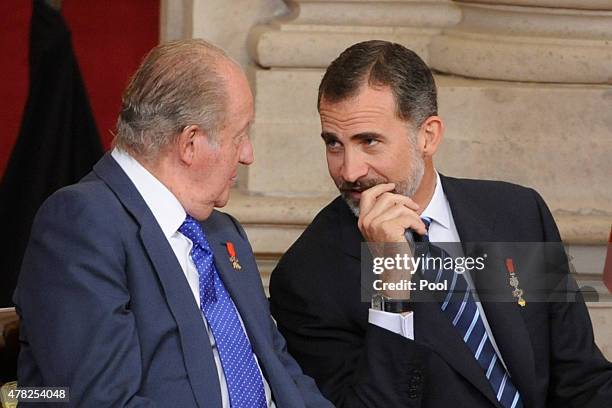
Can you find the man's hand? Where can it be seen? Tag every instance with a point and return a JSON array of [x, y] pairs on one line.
[[384, 216], [383, 219]]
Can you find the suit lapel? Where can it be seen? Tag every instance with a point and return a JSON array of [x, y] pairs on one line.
[[198, 357], [476, 228], [474, 223], [350, 236]]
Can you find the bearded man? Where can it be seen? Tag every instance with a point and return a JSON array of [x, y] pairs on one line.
[[378, 109]]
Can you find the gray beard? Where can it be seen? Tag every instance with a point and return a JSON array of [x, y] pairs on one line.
[[406, 188]]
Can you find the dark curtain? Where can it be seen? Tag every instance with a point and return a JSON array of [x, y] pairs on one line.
[[57, 144]]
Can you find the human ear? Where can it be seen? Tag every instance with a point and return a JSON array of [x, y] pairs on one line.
[[431, 131], [186, 143]]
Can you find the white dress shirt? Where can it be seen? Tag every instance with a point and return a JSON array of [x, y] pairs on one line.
[[169, 214], [441, 229]]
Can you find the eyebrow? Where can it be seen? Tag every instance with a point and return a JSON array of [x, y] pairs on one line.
[[328, 137]]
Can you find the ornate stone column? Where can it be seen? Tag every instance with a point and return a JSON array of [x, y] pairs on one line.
[[561, 41]]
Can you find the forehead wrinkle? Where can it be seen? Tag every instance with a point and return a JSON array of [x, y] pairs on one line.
[[355, 118], [369, 111]]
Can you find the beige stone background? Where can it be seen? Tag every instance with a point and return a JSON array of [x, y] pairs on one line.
[[525, 91]]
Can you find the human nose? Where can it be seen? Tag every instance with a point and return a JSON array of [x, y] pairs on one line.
[[246, 152], [354, 166]]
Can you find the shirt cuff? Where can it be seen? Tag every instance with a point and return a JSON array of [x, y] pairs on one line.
[[394, 322]]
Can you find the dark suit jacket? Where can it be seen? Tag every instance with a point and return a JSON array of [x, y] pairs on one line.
[[106, 310], [548, 346]]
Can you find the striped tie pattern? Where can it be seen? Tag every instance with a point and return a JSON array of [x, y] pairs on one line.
[[459, 306], [244, 382]]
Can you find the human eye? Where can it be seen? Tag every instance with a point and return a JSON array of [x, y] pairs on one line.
[[333, 146], [370, 141], [331, 143]]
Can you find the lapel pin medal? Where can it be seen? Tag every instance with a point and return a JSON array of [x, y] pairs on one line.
[[231, 251], [514, 282]]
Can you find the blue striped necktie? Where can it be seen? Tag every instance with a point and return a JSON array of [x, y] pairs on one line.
[[244, 382], [459, 306]]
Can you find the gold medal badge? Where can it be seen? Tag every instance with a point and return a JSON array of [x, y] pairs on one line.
[[232, 256], [514, 282]]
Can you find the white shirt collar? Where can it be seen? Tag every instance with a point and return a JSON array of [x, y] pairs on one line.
[[438, 209], [164, 205]]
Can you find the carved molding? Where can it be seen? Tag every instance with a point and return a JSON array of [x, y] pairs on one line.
[[566, 41], [520, 43], [316, 31]]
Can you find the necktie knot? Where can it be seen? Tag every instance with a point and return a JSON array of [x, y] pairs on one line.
[[425, 237], [427, 222], [192, 230]]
